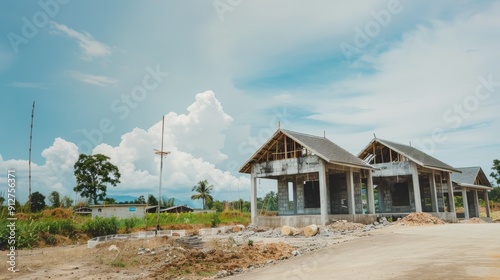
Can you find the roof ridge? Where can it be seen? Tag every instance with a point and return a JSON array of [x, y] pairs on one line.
[[306, 134]]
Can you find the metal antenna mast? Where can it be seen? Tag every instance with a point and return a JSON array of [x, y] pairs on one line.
[[29, 164]]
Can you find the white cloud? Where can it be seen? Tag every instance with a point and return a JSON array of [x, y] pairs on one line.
[[91, 47], [415, 83], [94, 79], [194, 140], [56, 174]]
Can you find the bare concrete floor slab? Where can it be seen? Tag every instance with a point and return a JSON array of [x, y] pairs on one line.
[[451, 251]]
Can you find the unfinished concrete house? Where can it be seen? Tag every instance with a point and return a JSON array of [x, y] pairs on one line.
[[316, 179], [408, 180], [471, 184]]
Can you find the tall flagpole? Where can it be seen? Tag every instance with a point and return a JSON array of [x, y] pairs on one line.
[[29, 164]]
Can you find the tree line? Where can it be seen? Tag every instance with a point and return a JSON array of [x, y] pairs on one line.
[[94, 172]]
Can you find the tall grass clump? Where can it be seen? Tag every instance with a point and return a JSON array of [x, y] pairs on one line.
[[130, 223], [100, 226]]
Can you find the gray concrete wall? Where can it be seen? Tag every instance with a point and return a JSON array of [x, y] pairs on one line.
[[446, 216], [305, 220], [121, 212]]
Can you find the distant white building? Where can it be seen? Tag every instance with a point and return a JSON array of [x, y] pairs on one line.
[[120, 211]]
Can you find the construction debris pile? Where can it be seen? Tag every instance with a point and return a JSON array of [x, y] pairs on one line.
[[225, 251], [419, 219]]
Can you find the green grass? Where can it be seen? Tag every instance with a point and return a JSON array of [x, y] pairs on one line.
[[204, 219], [35, 227]]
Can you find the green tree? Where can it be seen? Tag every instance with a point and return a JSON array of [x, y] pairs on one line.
[[494, 195], [92, 173], [66, 202], [140, 200], [152, 200], [217, 205], [203, 192], [495, 173], [2, 199], [109, 200], [37, 202], [55, 199], [270, 201], [167, 202]]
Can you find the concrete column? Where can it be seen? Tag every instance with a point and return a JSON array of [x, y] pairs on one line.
[[487, 204], [465, 203], [369, 193], [434, 199], [322, 193], [299, 188], [476, 203], [253, 198], [350, 192], [295, 203], [416, 187], [451, 198], [381, 199], [283, 200]]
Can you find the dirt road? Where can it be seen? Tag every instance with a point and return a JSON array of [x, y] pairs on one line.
[[451, 251]]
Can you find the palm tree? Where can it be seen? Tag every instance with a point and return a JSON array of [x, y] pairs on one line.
[[203, 190]]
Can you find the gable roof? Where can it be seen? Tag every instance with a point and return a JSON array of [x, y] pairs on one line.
[[469, 177], [414, 155], [321, 146]]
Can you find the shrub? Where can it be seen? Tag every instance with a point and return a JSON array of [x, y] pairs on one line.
[[26, 234], [4, 235], [130, 223], [63, 227], [215, 220], [50, 239], [100, 226]]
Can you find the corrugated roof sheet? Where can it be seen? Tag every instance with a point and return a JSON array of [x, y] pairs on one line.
[[326, 149], [320, 146], [417, 156], [469, 176]]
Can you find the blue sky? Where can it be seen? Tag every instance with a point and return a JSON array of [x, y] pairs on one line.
[[224, 72]]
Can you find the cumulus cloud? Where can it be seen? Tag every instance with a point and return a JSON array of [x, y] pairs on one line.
[[195, 141], [56, 174], [91, 47]]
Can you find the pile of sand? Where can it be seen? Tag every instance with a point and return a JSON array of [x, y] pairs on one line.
[[420, 219]]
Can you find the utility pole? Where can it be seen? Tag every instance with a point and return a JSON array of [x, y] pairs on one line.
[[161, 153], [29, 163]]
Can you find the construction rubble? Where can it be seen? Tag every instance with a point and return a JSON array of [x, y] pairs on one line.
[[220, 252]]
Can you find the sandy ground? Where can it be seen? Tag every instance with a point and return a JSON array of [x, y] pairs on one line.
[[451, 251]]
